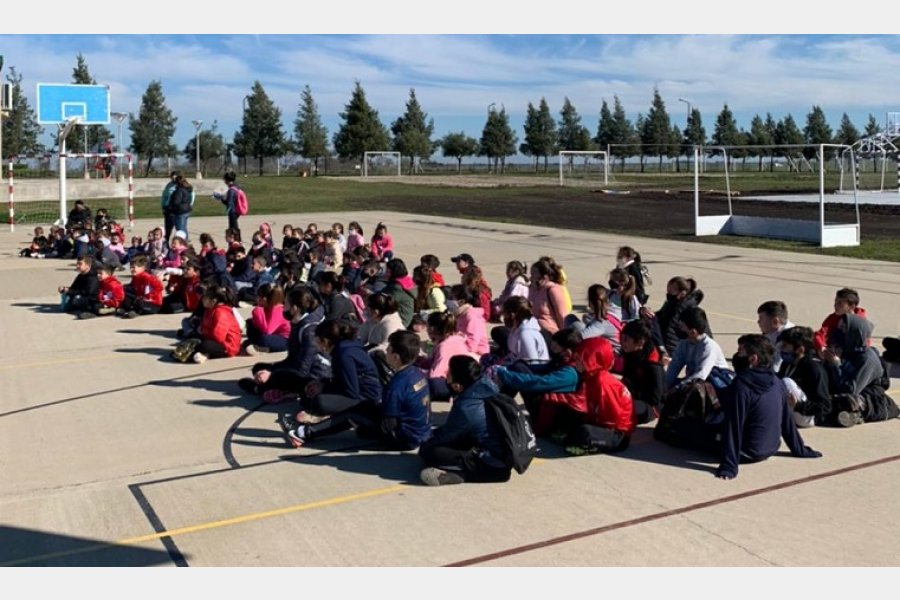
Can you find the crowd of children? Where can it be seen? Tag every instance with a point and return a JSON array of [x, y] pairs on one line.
[[369, 344]]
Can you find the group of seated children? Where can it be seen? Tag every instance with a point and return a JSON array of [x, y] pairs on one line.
[[369, 346]]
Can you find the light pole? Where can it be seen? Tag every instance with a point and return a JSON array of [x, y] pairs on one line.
[[490, 109], [2, 112], [687, 122], [120, 118], [197, 126]]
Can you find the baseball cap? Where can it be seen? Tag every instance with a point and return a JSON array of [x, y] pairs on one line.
[[464, 257]]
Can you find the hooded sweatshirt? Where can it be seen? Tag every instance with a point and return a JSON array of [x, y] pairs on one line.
[[860, 364], [757, 417], [608, 402], [526, 342]]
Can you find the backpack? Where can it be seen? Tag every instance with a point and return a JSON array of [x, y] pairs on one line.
[[514, 423], [180, 201], [689, 417], [241, 206]]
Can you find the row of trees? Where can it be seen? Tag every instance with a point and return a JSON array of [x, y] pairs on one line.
[[261, 134]]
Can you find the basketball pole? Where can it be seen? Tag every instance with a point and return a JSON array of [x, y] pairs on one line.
[[64, 132]]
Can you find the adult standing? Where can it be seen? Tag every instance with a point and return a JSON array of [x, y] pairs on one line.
[[181, 203], [167, 192], [229, 200]]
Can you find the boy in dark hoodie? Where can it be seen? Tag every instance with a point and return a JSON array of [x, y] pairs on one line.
[[756, 410], [857, 375]]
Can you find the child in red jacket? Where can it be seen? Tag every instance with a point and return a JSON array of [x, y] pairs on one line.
[[846, 301], [220, 332], [144, 295], [110, 295]]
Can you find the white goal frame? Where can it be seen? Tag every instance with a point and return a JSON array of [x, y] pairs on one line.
[[826, 235], [568, 154], [366, 155]]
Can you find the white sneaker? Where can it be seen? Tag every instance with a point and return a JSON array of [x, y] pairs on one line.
[[251, 350], [200, 358]]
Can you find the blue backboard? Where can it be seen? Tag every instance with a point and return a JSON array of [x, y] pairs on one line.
[[58, 102]]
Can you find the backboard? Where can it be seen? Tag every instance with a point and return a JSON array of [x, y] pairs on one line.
[[57, 102]]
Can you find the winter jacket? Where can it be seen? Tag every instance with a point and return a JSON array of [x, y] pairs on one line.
[[381, 245], [669, 318], [354, 374], [85, 284], [405, 301], [546, 379], [338, 307], [608, 402], [757, 418], [526, 343], [644, 375], [303, 356], [514, 287], [859, 364], [467, 423], [110, 293], [270, 320], [810, 376], [219, 325], [147, 287]]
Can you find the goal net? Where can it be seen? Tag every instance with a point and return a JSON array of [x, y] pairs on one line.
[[583, 167], [34, 200], [381, 163]]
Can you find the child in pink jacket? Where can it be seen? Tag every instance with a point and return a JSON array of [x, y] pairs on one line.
[[470, 319], [268, 330]]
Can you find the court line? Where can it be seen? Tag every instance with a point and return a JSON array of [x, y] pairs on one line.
[[665, 514], [212, 525], [62, 361]]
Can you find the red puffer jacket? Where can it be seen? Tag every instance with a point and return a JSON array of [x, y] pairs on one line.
[[219, 325]]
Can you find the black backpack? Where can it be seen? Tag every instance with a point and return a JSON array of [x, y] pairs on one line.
[[514, 424], [689, 418]]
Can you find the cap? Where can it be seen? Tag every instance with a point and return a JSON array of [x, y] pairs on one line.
[[466, 257], [181, 234]]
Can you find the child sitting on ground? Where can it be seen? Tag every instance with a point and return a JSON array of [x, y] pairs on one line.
[[39, 244], [220, 332], [267, 329], [184, 290], [143, 296], [846, 301], [109, 296], [81, 294]]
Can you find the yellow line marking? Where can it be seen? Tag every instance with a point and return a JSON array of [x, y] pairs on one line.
[[214, 524]]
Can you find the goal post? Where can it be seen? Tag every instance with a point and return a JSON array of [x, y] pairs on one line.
[[594, 166], [381, 159]]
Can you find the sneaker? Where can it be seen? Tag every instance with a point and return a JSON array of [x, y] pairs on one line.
[[130, 315], [297, 437], [306, 418], [248, 384], [106, 310], [434, 476], [200, 358], [848, 418], [250, 350], [580, 450], [86, 315]]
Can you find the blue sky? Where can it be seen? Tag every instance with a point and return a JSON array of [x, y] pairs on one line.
[[456, 76]]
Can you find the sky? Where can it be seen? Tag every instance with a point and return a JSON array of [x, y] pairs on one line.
[[457, 73]]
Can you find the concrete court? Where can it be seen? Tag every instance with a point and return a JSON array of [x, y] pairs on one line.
[[114, 455]]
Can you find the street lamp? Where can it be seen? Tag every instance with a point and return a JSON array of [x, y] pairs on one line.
[[197, 126], [688, 102], [120, 118]]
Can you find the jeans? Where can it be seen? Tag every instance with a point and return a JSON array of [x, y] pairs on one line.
[[180, 222]]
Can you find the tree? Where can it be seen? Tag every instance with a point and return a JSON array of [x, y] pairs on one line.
[[615, 132], [847, 133], [872, 126], [694, 133], [20, 127], [817, 131], [311, 136], [412, 134], [362, 130], [212, 145], [726, 132], [152, 130], [572, 135], [497, 139], [459, 146], [657, 128], [760, 135], [788, 134], [261, 134], [96, 134], [541, 136]]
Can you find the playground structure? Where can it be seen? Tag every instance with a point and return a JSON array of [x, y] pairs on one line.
[[882, 149], [826, 235]]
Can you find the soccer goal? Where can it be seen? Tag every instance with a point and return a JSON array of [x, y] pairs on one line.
[[28, 202], [381, 163], [815, 229], [583, 167]]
